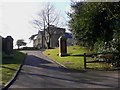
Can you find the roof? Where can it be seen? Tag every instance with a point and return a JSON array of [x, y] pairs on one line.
[[41, 32], [55, 27], [33, 36], [68, 35]]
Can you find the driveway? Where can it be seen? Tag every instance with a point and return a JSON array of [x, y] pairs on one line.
[[39, 71]]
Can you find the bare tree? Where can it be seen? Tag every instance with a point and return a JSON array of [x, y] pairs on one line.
[[47, 17]]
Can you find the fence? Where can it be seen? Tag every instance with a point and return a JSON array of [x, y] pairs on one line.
[[109, 57]]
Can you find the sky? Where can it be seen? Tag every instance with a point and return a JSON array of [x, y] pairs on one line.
[[16, 15]]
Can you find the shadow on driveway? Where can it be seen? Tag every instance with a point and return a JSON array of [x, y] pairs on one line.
[[83, 81], [42, 63], [39, 70]]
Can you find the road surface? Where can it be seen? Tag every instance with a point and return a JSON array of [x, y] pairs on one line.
[[39, 71]]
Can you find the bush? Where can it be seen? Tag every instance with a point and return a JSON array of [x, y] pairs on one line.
[[116, 60], [109, 47]]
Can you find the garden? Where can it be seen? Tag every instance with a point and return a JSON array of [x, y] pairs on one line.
[[75, 59]]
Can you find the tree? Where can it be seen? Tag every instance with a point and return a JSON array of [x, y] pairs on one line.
[[94, 22], [20, 42], [47, 17]]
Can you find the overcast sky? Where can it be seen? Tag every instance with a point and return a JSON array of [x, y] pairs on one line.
[[15, 16]]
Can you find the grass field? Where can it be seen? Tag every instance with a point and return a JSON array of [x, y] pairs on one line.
[[73, 61], [10, 65]]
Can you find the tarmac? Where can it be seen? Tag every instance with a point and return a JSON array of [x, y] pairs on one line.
[[39, 71]]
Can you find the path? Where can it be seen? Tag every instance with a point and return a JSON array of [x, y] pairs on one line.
[[40, 72]]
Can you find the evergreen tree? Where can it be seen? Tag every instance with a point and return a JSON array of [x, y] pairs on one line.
[[97, 22]]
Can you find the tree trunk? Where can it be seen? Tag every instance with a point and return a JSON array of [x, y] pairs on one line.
[[18, 47], [48, 45], [48, 42]]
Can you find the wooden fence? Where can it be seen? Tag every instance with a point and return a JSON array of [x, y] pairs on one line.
[[101, 58]]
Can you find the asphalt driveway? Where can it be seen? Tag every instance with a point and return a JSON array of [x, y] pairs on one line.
[[39, 71]]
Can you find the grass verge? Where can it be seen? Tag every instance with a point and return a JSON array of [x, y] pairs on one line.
[[74, 61], [10, 65]]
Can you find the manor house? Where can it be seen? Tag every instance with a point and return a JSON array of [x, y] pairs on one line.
[[55, 32]]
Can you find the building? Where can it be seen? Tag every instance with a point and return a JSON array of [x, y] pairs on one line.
[[39, 40], [55, 32], [70, 40]]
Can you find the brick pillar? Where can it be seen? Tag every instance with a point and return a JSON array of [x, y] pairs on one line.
[[8, 45]]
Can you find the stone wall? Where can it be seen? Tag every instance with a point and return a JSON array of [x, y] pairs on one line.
[[7, 45]]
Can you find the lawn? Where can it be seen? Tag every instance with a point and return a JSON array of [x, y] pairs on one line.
[[73, 61], [10, 65]]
